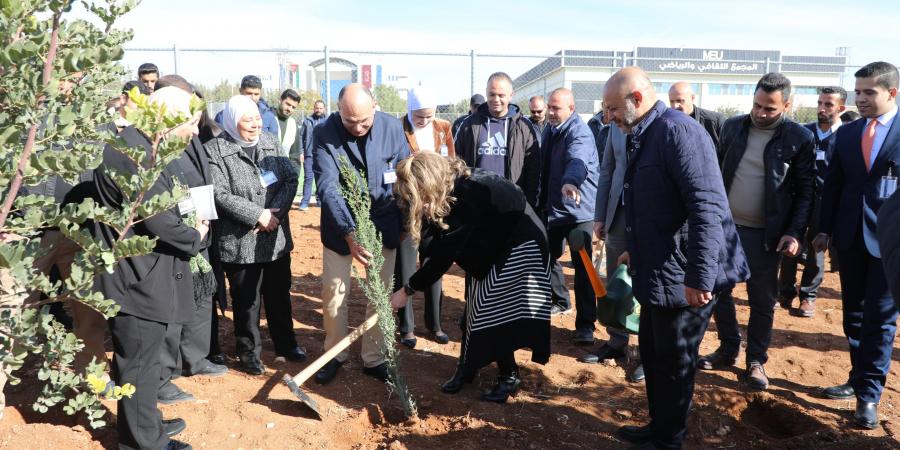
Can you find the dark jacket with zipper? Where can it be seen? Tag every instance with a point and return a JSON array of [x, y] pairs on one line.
[[523, 161], [157, 286], [789, 160], [678, 226], [712, 122]]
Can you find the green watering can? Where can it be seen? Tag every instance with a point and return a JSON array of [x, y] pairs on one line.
[[618, 308]]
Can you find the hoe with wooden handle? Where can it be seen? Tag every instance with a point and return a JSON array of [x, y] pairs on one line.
[[296, 381]]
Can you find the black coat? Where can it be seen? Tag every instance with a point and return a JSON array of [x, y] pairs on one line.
[[156, 286], [489, 218], [789, 159], [712, 122]]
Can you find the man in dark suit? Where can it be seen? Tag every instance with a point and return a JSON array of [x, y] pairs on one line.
[[682, 250], [373, 143], [830, 106], [682, 98], [865, 152]]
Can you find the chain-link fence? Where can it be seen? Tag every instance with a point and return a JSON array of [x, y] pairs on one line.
[[722, 80]]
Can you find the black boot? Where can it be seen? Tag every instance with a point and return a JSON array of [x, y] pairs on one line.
[[501, 391], [455, 384]]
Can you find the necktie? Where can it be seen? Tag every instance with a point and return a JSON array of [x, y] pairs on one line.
[[868, 140]]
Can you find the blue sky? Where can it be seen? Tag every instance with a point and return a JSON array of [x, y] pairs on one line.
[[868, 27]]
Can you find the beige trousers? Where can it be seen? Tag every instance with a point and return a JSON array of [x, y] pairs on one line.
[[11, 297], [88, 324], [335, 284]]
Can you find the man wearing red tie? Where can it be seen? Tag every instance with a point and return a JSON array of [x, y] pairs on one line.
[[866, 153]]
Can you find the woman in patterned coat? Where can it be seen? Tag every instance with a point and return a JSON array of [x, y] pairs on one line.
[[254, 187], [481, 222]]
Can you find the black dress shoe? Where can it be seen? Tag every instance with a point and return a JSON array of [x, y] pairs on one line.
[[839, 392], [866, 415], [170, 394], [210, 369], [719, 359], [441, 338], [328, 371], [174, 426], [604, 352], [379, 372], [217, 358], [252, 367], [634, 433], [455, 384], [583, 337], [501, 391], [636, 375], [295, 354], [178, 445], [409, 342]]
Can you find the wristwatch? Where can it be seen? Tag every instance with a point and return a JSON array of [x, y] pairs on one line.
[[408, 289]]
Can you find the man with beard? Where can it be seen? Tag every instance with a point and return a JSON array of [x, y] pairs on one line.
[[307, 131], [830, 106], [681, 242], [768, 167]]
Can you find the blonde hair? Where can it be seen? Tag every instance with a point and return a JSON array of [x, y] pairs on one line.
[[424, 186]]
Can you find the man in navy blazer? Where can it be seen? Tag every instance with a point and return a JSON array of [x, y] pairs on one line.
[[864, 152], [373, 143], [683, 248]]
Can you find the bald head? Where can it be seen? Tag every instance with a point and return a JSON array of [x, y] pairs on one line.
[[628, 95], [681, 97], [560, 106], [357, 108]]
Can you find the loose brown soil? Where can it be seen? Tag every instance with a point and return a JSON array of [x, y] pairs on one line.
[[564, 404]]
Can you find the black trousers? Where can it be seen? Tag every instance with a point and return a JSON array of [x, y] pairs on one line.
[[585, 300], [186, 345], [405, 267], [219, 300], [813, 266], [669, 341], [247, 282], [136, 349]]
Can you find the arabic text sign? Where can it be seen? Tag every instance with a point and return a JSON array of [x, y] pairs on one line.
[[695, 60]]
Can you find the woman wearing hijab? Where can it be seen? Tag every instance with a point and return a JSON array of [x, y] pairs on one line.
[[482, 222], [254, 186], [425, 133], [152, 290]]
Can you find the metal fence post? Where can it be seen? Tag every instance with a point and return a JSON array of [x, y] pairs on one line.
[[471, 71], [327, 84], [175, 57], [768, 61]]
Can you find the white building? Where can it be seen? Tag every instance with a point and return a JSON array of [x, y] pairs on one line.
[[721, 78]]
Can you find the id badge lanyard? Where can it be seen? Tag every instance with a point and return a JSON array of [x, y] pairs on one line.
[[888, 183]]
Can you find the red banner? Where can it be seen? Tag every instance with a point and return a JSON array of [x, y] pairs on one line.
[[367, 76]]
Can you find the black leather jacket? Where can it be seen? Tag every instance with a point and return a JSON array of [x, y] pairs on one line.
[[790, 174]]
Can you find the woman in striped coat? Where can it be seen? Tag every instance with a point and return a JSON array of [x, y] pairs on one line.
[[481, 222]]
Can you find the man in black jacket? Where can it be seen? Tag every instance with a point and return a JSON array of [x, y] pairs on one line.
[[682, 98], [497, 137], [828, 113], [763, 153], [474, 102]]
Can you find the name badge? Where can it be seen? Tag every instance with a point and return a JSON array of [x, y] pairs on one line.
[[267, 178], [820, 155], [888, 185], [186, 206], [444, 151], [390, 177]]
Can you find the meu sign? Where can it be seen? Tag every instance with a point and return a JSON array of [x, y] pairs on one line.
[[711, 61]]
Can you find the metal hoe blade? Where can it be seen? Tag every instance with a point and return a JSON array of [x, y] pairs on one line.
[[306, 399]]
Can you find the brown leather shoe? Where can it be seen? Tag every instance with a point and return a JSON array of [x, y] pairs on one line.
[[807, 308], [755, 376]]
